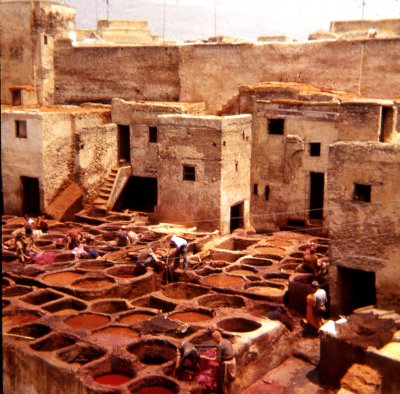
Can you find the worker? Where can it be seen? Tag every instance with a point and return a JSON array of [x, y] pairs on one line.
[[22, 248], [310, 260], [316, 306], [227, 371], [187, 364], [28, 226], [122, 237], [147, 257], [181, 246], [41, 224], [74, 238]]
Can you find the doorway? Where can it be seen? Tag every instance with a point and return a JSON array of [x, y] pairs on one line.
[[124, 143], [139, 194], [30, 195], [356, 289], [237, 213], [317, 183]]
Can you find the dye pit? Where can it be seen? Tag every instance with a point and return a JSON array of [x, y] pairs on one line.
[[100, 326]]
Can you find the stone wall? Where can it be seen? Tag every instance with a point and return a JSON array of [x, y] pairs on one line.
[[100, 73], [365, 236]]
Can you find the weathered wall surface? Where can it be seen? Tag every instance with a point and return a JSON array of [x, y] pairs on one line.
[[235, 171], [365, 236], [193, 141], [332, 65], [102, 73], [20, 157]]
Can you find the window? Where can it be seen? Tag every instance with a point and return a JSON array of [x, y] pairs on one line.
[[315, 149], [189, 173], [45, 40], [275, 126], [16, 97], [255, 189], [152, 134], [20, 129], [362, 193], [266, 192]]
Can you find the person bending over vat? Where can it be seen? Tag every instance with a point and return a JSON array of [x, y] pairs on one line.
[[74, 238], [28, 226], [41, 224], [310, 260], [187, 365], [22, 248], [146, 258], [316, 306], [123, 237], [227, 371], [181, 249]]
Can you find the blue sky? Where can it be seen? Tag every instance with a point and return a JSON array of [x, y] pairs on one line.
[[248, 19]]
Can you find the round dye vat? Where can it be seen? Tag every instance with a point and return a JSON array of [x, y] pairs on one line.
[[241, 272], [190, 317], [64, 312], [154, 390], [62, 278], [124, 275], [269, 250], [18, 319], [112, 379], [93, 284], [280, 243], [224, 280], [118, 336], [87, 321], [266, 290], [135, 318]]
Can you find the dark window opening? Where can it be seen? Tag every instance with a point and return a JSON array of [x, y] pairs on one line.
[[21, 129], [236, 166], [237, 216], [266, 192], [387, 119], [45, 40], [189, 173], [357, 289], [296, 222], [276, 126], [124, 143], [255, 189], [139, 194], [153, 134], [30, 195], [16, 97], [362, 193], [317, 182], [315, 149]]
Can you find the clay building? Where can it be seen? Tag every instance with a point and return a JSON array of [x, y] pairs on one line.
[[249, 147]]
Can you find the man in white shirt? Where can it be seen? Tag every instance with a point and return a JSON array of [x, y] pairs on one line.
[[181, 246]]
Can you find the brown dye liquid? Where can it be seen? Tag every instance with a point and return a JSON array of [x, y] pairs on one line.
[[94, 267], [64, 312], [19, 319], [242, 272], [154, 390], [116, 335], [122, 275], [190, 317], [135, 318], [224, 280], [280, 243], [62, 278], [87, 322], [265, 290], [93, 284], [270, 250], [112, 379], [278, 280]]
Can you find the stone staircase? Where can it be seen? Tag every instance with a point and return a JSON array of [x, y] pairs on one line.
[[106, 189]]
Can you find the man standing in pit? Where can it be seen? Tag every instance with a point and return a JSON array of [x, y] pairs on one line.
[[316, 306], [181, 246]]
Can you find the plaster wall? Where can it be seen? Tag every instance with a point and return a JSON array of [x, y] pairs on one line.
[[192, 141], [235, 170], [20, 157], [365, 236], [336, 65], [100, 73]]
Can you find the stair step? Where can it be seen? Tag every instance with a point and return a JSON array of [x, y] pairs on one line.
[[105, 190], [104, 196]]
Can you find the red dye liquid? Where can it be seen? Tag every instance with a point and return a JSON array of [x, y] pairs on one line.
[[224, 280], [154, 390], [271, 250], [93, 284], [190, 317], [112, 379], [123, 275], [135, 318], [10, 321], [87, 322], [62, 278], [118, 336]]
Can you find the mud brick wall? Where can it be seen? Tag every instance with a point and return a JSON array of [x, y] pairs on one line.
[[365, 236]]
